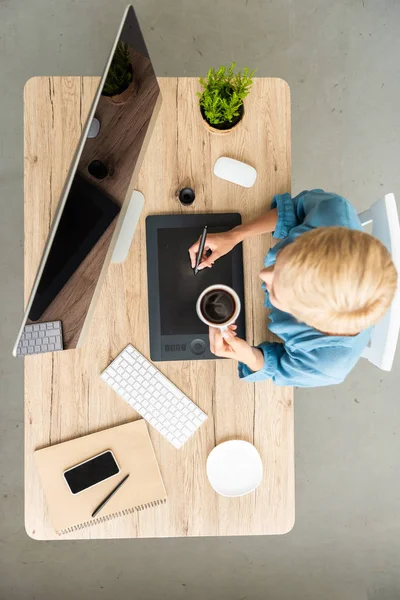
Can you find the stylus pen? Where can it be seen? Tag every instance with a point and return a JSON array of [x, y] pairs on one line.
[[201, 249], [110, 495]]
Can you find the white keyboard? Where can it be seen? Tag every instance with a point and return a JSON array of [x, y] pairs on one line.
[[40, 337], [153, 396]]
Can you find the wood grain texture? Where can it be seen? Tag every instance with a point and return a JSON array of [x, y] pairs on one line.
[[64, 396]]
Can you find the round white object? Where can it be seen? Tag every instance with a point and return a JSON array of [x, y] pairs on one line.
[[234, 468], [94, 128]]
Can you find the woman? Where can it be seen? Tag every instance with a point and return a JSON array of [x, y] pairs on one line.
[[326, 284]]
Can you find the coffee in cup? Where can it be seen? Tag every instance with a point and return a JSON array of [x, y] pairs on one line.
[[218, 306]]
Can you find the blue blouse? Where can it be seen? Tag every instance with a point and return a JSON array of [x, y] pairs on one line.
[[307, 357]]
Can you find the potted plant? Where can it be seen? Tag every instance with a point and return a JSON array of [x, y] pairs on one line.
[[221, 101], [119, 84]]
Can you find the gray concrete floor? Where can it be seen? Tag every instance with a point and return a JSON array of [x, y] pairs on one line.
[[341, 61]]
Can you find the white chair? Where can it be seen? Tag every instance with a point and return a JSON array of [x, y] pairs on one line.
[[385, 226]]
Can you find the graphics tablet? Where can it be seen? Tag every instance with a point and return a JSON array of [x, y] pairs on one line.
[[176, 332]]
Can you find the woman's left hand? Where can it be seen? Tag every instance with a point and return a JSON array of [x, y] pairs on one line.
[[227, 345]]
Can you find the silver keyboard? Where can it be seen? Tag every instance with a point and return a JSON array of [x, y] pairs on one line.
[[40, 337], [153, 396]]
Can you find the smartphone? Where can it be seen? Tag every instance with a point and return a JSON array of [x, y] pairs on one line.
[[91, 472]]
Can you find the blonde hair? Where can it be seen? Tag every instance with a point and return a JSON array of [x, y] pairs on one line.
[[337, 280]]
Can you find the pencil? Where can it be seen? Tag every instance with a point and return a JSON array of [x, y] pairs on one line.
[[201, 249], [110, 495]]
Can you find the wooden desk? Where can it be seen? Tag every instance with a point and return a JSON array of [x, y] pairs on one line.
[[64, 396]]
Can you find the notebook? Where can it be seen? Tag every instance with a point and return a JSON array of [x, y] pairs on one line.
[[134, 453]]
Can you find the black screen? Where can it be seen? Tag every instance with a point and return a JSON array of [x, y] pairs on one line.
[[179, 287], [91, 472], [86, 216]]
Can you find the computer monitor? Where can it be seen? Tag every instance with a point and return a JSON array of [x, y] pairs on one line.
[[95, 197]]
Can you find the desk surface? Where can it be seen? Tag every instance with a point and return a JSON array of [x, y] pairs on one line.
[[64, 396]]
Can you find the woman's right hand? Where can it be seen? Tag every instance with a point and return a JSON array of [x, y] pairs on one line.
[[218, 243]]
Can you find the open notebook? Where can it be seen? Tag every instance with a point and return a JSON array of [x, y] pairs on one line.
[[134, 453]]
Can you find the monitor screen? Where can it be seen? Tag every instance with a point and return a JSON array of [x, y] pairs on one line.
[[67, 281]]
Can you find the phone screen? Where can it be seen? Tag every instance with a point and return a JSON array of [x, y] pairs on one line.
[[91, 471]]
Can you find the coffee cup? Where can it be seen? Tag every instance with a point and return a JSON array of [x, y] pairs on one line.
[[218, 306]]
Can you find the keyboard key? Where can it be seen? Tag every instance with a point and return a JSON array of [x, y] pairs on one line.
[[167, 384]]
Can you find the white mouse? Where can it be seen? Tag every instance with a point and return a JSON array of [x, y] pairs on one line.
[[94, 128], [235, 171]]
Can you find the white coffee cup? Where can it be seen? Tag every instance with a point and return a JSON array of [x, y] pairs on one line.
[[232, 318]]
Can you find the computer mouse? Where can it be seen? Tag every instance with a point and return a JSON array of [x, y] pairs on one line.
[[235, 171], [94, 128]]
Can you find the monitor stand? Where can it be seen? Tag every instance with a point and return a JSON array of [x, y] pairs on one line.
[[128, 227]]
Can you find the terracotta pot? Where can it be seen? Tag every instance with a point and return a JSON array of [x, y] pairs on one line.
[[124, 96], [215, 130]]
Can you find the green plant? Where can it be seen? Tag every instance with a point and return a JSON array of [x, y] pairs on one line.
[[120, 73], [224, 92]]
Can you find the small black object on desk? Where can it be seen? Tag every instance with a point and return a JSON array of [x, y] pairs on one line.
[[186, 196]]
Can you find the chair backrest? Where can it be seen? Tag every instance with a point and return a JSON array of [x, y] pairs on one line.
[[385, 227]]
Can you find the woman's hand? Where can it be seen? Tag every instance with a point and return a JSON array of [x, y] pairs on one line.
[[217, 243], [227, 345]]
